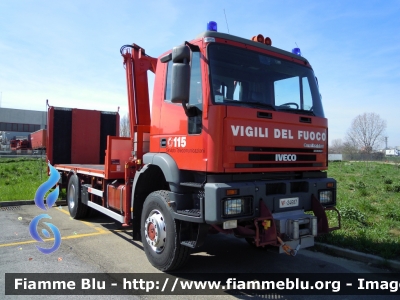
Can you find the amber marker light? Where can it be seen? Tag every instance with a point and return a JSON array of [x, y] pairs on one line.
[[330, 185], [268, 41], [259, 38], [232, 192]]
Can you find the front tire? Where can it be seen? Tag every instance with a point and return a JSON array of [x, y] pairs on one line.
[[76, 208], [160, 234]]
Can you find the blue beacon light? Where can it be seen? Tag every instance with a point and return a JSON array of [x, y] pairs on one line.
[[212, 26], [296, 51]]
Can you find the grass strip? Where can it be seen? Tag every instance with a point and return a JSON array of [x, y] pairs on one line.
[[368, 198]]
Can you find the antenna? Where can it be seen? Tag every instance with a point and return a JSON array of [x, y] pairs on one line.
[[226, 21]]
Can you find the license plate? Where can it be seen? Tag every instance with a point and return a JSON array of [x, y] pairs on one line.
[[288, 202]]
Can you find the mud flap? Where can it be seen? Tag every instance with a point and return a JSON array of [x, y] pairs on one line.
[[193, 235], [319, 212], [265, 228]]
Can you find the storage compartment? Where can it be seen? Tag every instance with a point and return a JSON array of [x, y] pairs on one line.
[[79, 136], [115, 196]]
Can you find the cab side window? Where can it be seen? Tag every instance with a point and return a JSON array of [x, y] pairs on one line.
[[168, 82], [196, 96], [196, 93]]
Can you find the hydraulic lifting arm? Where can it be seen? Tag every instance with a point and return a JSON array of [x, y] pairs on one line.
[[137, 63]]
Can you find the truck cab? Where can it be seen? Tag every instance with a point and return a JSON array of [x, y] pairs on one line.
[[239, 132], [236, 143]]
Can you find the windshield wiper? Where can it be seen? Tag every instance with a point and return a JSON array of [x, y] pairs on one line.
[[240, 103], [261, 104], [298, 111]]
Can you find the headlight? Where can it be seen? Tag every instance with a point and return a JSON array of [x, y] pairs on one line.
[[237, 206], [326, 198]]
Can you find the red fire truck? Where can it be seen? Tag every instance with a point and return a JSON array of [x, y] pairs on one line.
[[19, 144], [237, 143], [38, 139], [13, 144]]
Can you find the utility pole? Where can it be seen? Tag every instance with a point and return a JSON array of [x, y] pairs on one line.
[[386, 139]]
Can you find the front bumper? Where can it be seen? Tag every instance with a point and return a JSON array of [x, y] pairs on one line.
[[280, 197]]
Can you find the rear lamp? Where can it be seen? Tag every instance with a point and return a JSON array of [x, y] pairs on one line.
[[326, 197], [330, 185], [296, 51], [212, 26]]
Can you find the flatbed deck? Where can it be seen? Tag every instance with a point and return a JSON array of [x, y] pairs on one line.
[[87, 169]]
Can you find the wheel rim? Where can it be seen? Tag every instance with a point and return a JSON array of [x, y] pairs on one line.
[[155, 231], [71, 196]]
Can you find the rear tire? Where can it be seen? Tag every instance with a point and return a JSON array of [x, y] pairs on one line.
[[251, 242], [91, 212], [160, 234], [77, 209]]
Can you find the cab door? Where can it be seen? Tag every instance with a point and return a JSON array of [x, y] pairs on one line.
[[181, 136]]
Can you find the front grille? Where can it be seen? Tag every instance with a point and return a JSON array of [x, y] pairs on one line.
[[272, 157], [275, 149], [299, 187], [276, 188], [281, 188], [277, 165]]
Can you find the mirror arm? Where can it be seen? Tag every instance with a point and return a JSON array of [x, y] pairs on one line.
[[190, 111], [184, 105], [193, 48]]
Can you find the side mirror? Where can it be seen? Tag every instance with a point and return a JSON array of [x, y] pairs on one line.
[[180, 74]]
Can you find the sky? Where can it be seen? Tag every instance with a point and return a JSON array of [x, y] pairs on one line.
[[68, 51]]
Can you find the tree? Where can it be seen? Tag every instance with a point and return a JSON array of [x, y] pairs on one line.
[[366, 132], [336, 146], [350, 150], [124, 126]]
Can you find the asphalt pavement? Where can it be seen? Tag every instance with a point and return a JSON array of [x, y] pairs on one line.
[[100, 245]]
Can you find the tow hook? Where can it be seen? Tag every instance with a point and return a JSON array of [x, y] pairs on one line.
[[297, 249], [287, 249]]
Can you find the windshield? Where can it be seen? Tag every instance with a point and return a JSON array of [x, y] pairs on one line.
[[247, 78]]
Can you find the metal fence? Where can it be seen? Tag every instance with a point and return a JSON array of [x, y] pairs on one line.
[[370, 157], [23, 153]]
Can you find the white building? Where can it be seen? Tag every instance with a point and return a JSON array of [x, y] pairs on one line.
[[391, 152], [20, 122]]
